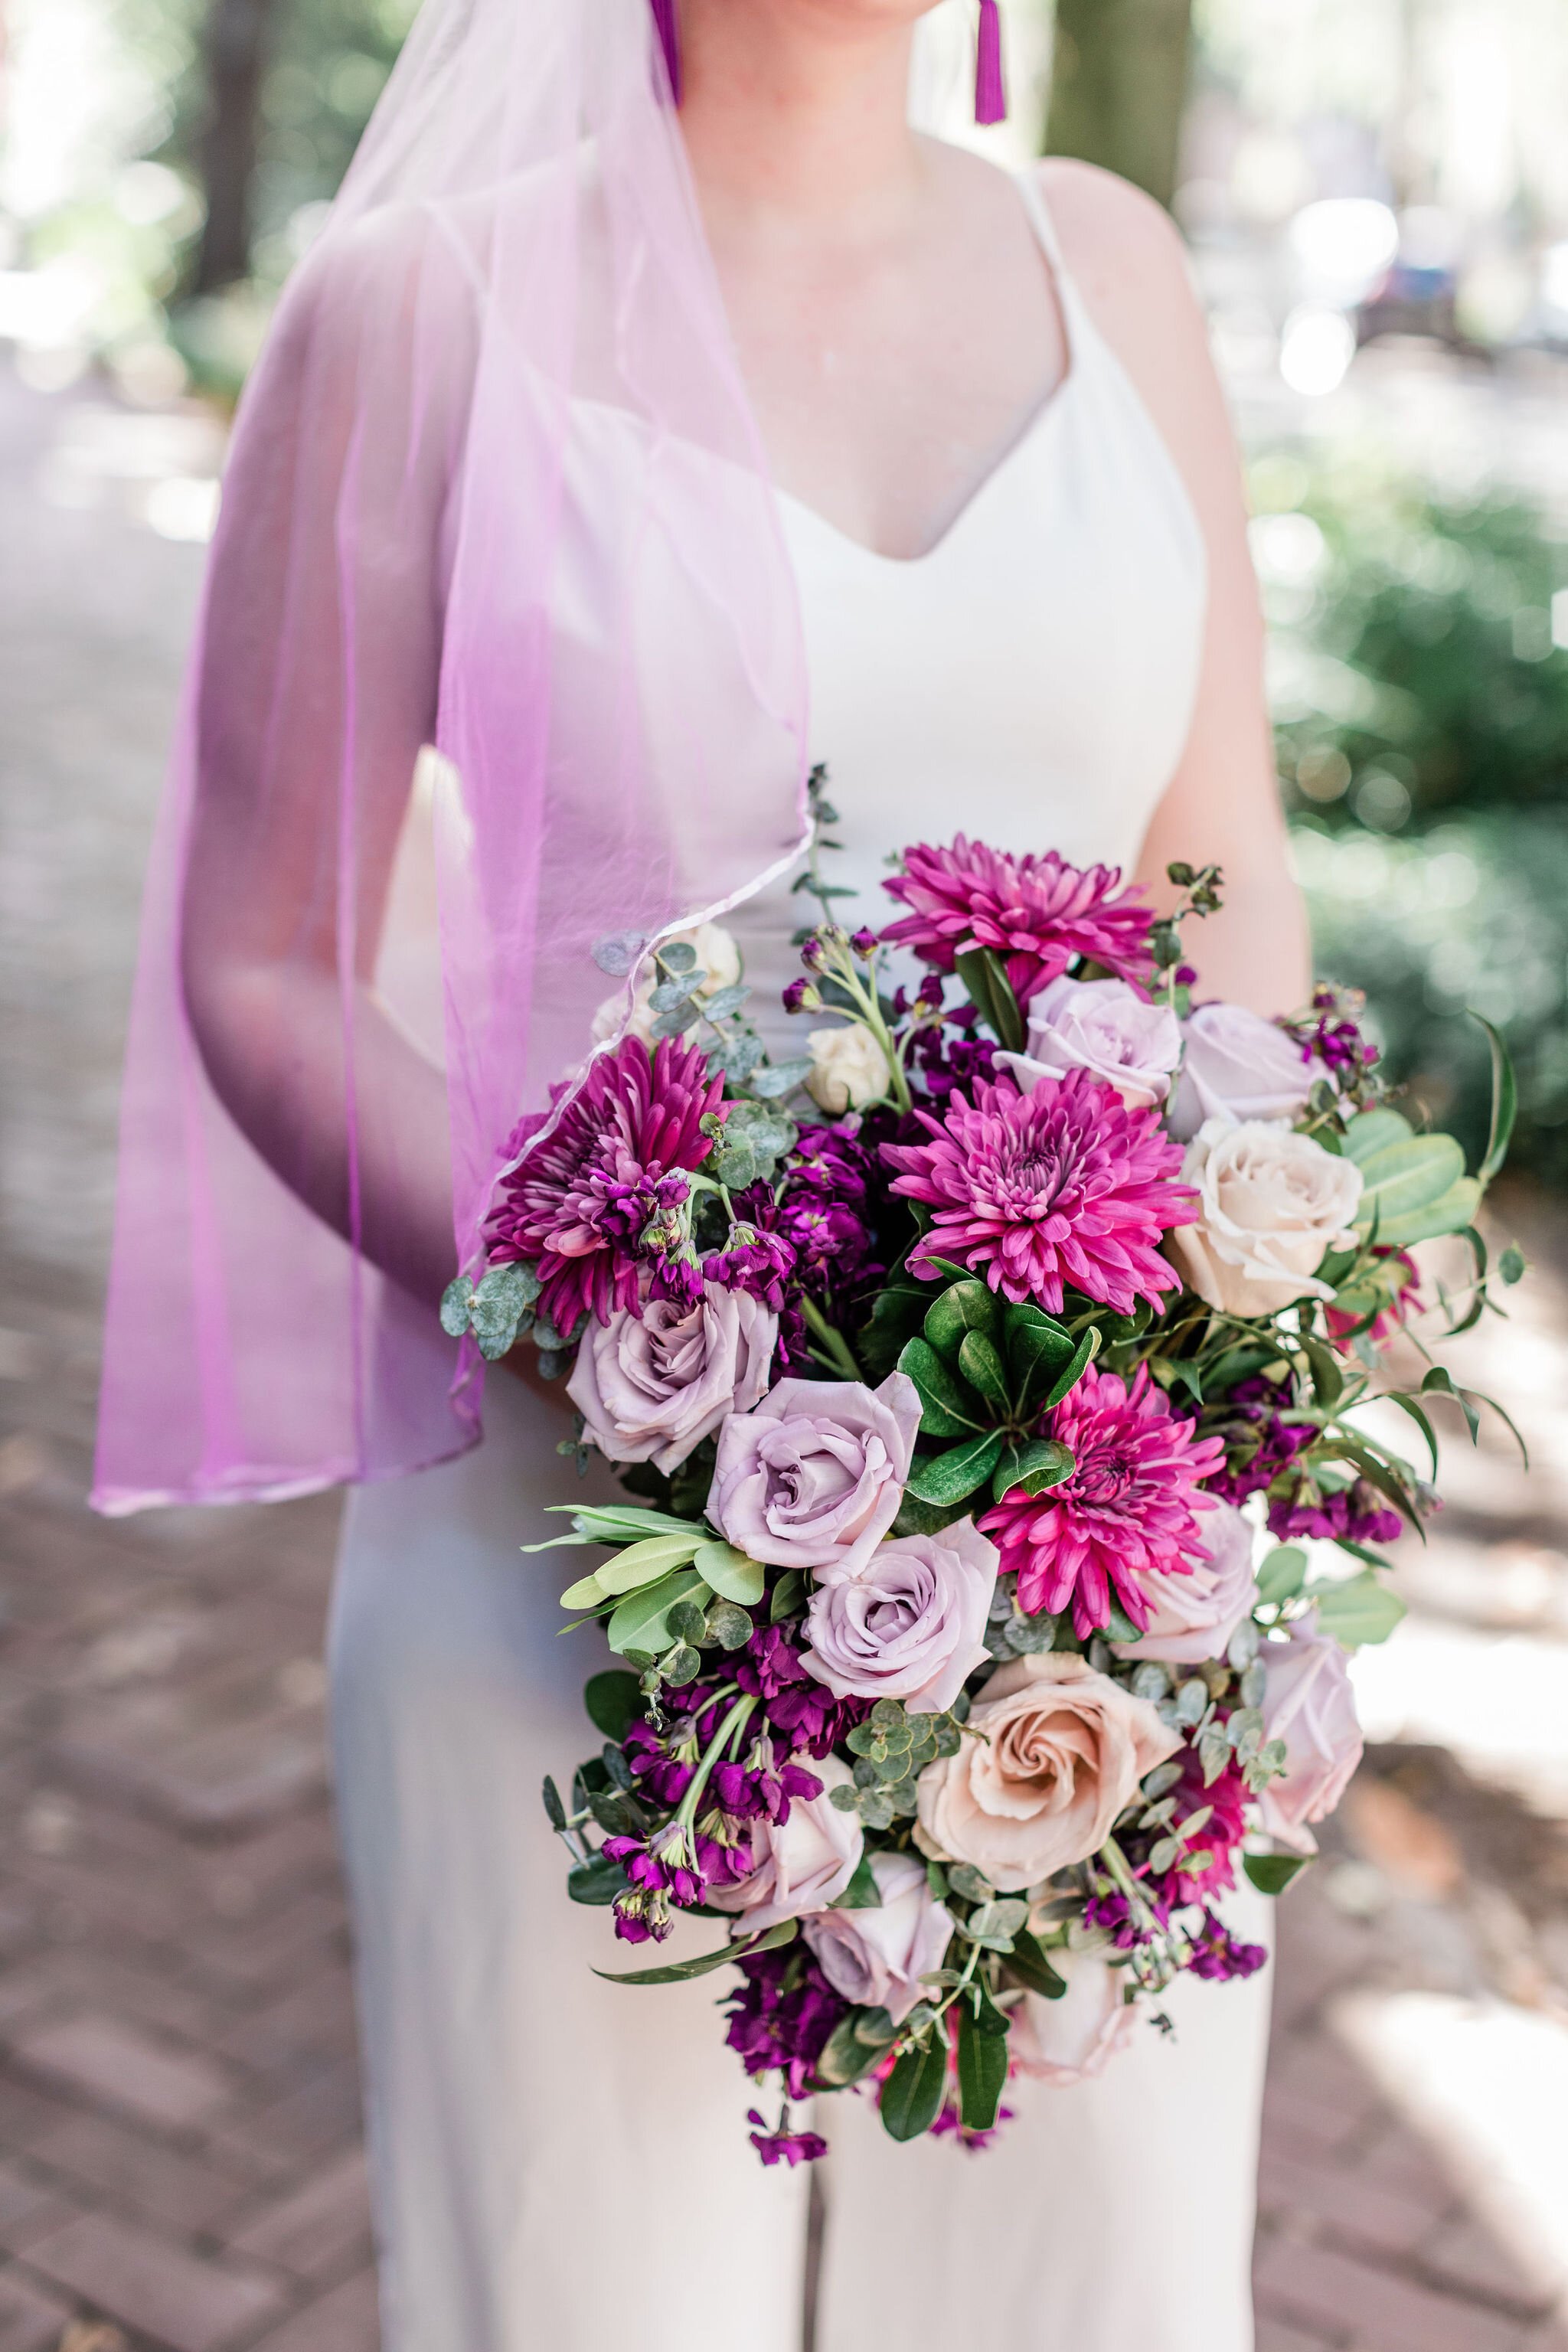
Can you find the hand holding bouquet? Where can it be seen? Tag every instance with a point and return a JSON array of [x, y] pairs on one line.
[[975, 1406]]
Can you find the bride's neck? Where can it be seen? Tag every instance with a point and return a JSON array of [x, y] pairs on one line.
[[794, 113]]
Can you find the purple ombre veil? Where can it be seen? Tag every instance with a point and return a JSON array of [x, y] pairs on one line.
[[498, 658]]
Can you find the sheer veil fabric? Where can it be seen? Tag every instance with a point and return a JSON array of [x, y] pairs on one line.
[[517, 247]]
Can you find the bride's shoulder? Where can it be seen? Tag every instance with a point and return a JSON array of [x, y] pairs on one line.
[[1126, 259]]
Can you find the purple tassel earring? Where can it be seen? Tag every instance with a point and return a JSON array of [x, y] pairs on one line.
[[990, 94], [668, 31]]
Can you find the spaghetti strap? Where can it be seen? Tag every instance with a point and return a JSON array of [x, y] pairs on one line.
[[1044, 228]]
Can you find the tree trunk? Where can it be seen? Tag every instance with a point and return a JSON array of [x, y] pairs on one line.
[[1118, 84], [234, 48]]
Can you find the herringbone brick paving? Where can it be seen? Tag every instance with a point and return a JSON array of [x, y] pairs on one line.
[[180, 2165]]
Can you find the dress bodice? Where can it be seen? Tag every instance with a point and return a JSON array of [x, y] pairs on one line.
[[1031, 679]]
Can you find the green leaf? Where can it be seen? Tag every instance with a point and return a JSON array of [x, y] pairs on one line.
[[1282, 1574], [1511, 1266], [1407, 1404], [781, 1078], [555, 1810], [1450, 1213], [846, 2056], [598, 1880], [917, 1518], [982, 1368], [913, 2093], [949, 1477], [862, 1893], [896, 1316], [1328, 1379], [732, 1576], [612, 1523], [966, 1306], [501, 1297], [788, 1597], [1505, 1103], [613, 1702], [982, 2069], [1372, 1131], [682, 1972], [1404, 1177], [948, 1406], [728, 1624], [1038, 1348], [642, 1563], [1035, 1466], [641, 1623], [586, 1593], [1073, 1371], [1028, 1963], [1358, 1612], [1273, 1873], [985, 977]]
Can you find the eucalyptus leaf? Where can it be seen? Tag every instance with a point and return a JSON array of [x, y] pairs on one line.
[[1358, 1612], [613, 1702], [678, 955], [554, 1810], [845, 2057], [781, 1078], [1505, 1102], [682, 1972], [1282, 1574], [455, 1303]]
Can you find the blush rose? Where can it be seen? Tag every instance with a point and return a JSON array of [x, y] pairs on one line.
[[1073, 2038], [813, 1478], [1061, 1752], [650, 1386]]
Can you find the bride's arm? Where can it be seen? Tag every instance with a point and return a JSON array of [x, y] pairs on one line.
[[321, 655], [1223, 804]]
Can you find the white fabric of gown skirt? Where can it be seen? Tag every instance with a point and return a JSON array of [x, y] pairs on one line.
[[561, 2165]]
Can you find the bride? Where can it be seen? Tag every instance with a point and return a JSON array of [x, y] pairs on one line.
[[636, 453]]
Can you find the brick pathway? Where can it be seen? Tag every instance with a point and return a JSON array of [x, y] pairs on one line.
[[179, 2130]]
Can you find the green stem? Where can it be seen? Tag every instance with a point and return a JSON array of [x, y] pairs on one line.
[[738, 1714], [836, 1346]]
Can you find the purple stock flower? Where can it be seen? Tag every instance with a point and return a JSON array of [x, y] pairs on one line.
[[784, 2146], [794, 1704], [781, 2015], [1355, 1513], [950, 2124], [1262, 1446], [759, 1262], [1219, 1955]]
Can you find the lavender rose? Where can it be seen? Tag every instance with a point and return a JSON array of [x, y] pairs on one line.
[[802, 1863], [813, 1478], [1196, 1614], [1239, 1066], [1060, 1752], [1271, 1205], [1073, 2038], [650, 1386], [1309, 1704], [877, 1958], [911, 1624], [1105, 1028]]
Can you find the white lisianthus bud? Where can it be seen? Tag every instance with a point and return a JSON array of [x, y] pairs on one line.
[[849, 1069]]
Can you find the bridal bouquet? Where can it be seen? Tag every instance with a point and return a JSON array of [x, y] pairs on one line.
[[984, 1375]]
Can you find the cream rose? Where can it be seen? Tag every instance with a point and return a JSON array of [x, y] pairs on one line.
[[849, 1069], [718, 958], [1073, 2038], [1271, 1204], [1062, 1751]]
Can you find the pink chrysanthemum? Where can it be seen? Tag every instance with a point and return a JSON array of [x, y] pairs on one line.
[[578, 1206], [1035, 1191], [1037, 911], [1129, 1510]]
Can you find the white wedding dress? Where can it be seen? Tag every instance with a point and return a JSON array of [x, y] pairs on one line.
[[561, 2165]]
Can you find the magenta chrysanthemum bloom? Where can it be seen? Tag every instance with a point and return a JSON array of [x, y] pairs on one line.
[[1037, 911], [1035, 1191], [1130, 1509], [579, 1205]]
